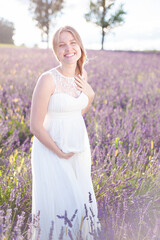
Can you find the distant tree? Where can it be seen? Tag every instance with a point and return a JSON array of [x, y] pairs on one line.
[[42, 11], [6, 31], [100, 14]]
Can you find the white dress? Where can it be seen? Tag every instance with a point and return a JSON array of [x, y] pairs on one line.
[[64, 186]]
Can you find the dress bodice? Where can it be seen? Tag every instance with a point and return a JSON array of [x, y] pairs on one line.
[[64, 84], [66, 96]]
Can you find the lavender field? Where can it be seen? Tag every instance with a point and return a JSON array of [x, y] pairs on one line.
[[124, 130]]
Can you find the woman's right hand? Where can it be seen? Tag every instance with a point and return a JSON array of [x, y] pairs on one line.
[[66, 155]]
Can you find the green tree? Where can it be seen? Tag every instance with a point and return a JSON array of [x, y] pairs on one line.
[[42, 11], [102, 15], [6, 31]]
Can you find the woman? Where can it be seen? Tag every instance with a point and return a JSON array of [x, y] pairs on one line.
[[62, 189]]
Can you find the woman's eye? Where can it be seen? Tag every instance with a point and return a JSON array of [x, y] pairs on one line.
[[62, 45]]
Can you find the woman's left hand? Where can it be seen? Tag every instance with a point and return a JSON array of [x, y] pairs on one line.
[[84, 86]]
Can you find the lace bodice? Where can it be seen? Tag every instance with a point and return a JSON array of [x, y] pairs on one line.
[[64, 84]]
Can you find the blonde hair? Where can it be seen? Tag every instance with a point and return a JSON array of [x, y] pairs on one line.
[[83, 58]]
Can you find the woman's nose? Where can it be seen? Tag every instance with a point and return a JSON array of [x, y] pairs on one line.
[[68, 47]]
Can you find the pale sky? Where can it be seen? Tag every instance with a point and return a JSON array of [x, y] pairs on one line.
[[141, 30]]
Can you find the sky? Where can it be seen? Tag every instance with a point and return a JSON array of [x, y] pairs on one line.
[[141, 30]]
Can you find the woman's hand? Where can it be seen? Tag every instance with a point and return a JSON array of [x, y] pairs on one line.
[[83, 86], [66, 155]]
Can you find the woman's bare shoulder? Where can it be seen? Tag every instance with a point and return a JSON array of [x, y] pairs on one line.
[[46, 80]]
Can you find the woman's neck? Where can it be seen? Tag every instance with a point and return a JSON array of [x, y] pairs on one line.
[[68, 71]]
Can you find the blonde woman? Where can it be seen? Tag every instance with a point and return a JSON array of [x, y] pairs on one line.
[[62, 189]]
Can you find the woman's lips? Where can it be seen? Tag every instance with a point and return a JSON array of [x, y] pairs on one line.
[[69, 55]]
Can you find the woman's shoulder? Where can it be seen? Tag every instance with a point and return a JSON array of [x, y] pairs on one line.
[[46, 79], [47, 74]]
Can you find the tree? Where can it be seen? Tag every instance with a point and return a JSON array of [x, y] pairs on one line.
[[100, 14], [6, 31], [42, 11]]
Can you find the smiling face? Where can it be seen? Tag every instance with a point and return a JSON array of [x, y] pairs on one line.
[[68, 50]]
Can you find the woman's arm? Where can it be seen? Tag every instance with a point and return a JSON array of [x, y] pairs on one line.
[[40, 99]]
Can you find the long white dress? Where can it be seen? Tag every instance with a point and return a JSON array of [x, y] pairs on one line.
[[62, 189]]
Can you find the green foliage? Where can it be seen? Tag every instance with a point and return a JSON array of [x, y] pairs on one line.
[[15, 122], [7, 31], [43, 11], [100, 14], [11, 177]]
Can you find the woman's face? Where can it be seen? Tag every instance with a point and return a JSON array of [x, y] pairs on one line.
[[68, 51]]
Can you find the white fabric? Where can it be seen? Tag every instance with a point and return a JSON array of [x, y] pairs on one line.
[[58, 184]]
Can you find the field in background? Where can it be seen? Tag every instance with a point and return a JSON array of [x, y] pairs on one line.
[[124, 129]]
